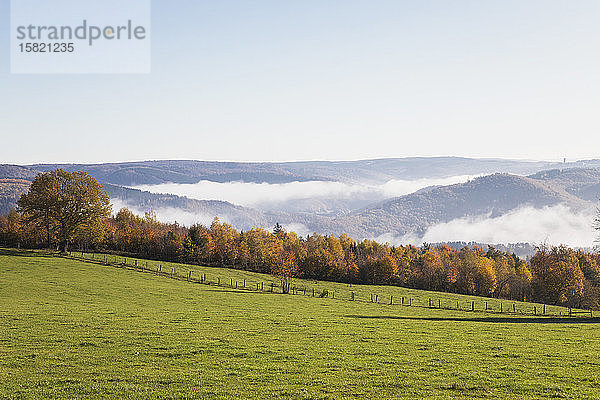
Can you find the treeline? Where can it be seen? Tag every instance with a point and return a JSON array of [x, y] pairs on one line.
[[555, 275]]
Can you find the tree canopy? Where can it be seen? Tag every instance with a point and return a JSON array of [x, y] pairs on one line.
[[65, 204]]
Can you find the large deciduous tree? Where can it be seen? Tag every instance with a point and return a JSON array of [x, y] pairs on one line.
[[65, 204], [557, 277]]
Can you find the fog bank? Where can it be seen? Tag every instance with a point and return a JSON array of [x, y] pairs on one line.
[[262, 194], [169, 214], [553, 225]]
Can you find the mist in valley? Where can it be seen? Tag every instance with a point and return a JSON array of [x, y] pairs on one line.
[[556, 224], [169, 214], [322, 197], [552, 225]]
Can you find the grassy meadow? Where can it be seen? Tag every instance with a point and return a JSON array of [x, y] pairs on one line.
[[78, 330]]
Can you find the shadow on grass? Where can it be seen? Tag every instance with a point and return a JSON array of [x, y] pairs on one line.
[[25, 253], [498, 320]]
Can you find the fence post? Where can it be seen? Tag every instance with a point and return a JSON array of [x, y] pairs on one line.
[[271, 287], [429, 302], [472, 306], [570, 312], [486, 306], [457, 305], [410, 301], [351, 296], [236, 284], [261, 286], [371, 297], [391, 300], [534, 310], [376, 298], [514, 308], [500, 307], [244, 283], [402, 300], [439, 303], [333, 295], [544, 309], [172, 271]]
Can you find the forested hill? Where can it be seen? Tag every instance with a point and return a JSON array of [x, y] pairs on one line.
[[378, 171], [204, 210], [15, 180], [491, 195], [580, 182], [8, 171]]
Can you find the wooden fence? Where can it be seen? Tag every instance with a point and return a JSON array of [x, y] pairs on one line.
[[482, 306]]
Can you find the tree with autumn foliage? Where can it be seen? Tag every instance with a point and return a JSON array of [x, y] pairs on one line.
[[11, 227], [557, 277], [65, 204], [512, 275], [376, 262], [225, 239], [430, 272], [286, 269]]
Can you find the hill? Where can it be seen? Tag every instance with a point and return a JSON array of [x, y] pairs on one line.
[[192, 211], [80, 330], [15, 181], [378, 170], [576, 185], [183, 171], [8, 171], [10, 191], [580, 182], [491, 195]]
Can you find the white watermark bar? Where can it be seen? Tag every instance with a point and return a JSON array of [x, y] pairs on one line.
[[80, 36]]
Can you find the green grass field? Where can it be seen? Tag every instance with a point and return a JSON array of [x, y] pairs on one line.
[[72, 329], [239, 279]]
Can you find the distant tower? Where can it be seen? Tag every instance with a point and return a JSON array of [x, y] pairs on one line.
[[565, 160]]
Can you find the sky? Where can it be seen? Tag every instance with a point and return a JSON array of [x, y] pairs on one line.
[[324, 79]]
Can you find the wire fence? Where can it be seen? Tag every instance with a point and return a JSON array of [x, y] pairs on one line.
[[181, 273]]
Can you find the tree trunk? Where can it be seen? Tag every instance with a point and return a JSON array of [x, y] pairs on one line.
[[48, 236]]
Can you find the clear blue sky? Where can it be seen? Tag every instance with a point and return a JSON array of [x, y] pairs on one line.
[[292, 80]]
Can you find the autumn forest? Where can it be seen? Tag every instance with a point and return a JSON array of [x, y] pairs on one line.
[[554, 275]]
